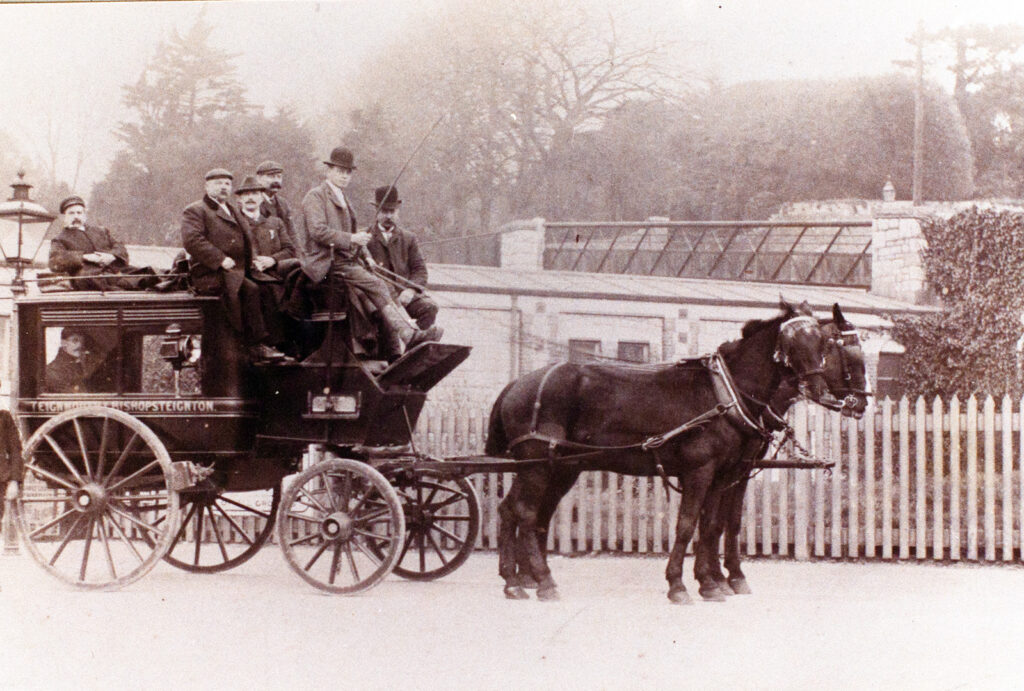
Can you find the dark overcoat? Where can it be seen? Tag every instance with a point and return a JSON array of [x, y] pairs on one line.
[[11, 464], [271, 239], [209, 234], [67, 249], [279, 207], [325, 222], [401, 256]]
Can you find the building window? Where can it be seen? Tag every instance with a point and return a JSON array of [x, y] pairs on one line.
[[887, 378], [631, 351], [584, 351]]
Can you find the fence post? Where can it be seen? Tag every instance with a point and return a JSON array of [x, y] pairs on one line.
[[853, 473], [870, 424], [904, 460], [938, 516], [836, 481], [990, 479], [887, 478], [972, 478], [1006, 477], [800, 492], [954, 478], [920, 479]]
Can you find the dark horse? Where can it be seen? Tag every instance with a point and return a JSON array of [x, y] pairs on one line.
[[692, 421], [844, 373]]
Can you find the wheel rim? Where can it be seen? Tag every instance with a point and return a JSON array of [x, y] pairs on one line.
[[97, 508], [442, 522], [340, 526], [220, 531]]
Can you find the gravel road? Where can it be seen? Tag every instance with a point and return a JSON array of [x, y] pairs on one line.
[[807, 625]]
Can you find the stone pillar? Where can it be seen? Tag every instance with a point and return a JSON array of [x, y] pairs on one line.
[[522, 245], [897, 268]]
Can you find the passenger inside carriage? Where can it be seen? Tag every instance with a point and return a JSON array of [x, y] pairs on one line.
[[73, 368]]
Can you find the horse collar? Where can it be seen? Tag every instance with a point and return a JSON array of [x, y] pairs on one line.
[[729, 394]]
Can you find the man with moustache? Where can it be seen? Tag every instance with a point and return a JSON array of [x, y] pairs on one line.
[[270, 174], [396, 250], [94, 258], [334, 247], [217, 239]]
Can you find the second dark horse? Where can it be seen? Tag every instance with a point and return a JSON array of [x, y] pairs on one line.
[[690, 421]]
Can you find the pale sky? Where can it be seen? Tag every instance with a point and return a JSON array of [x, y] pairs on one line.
[[62, 65]]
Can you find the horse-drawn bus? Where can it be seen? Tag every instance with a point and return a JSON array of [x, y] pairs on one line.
[[157, 438]]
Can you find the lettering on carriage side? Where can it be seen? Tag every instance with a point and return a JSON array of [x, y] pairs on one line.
[[127, 406]]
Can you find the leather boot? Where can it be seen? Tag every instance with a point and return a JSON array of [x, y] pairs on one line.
[[396, 324]]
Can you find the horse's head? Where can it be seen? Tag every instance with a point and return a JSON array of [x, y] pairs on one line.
[[844, 365], [801, 347]]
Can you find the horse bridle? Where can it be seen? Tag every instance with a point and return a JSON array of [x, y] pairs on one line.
[[782, 352]]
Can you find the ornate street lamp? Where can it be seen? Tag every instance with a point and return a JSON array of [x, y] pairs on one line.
[[31, 219]]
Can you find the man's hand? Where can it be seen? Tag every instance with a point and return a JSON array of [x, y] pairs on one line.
[[105, 258], [227, 264], [263, 262], [406, 296], [361, 238], [91, 257]]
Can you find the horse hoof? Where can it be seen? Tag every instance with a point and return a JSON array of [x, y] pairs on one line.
[[516, 593], [548, 594], [725, 588], [528, 582], [712, 593], [679, 597], [739, 586]]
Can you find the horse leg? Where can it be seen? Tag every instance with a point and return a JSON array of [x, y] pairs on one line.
[[694, 483], [534, 486], [560, 483], [737, 581], [706, 569], [508, 543]]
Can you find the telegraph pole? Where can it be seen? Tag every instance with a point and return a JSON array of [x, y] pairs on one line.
[[918, 113]]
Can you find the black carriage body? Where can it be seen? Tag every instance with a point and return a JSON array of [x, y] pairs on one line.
[[250, 423]]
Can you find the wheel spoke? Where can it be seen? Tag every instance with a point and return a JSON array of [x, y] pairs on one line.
[[373, 536], [66, 540], [121, 458], [437, 549], [63, 457], [374, 516], [81, 445], [141, 471], [85, 553], [301, 540], [316, 555], [335, 563], [144, 526], [55, 521], [454, 499], [250, 509], [307, 519], [197, 534], [106, 548], [313, 503], [448, 534], [184, 523], [47, 475], [368, 552], [216, 532], [352, 562], [124, 538], [422, 551], [233, 523], [101, 455]]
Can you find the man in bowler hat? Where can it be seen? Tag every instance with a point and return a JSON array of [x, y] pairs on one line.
[[394, 248], [94, 258], [334, 246], [217, 238]]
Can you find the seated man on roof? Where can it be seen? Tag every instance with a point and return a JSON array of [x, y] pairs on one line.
[[335, 250], [94, 258]]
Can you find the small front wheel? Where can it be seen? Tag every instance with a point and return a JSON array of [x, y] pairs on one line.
[[340, 526]]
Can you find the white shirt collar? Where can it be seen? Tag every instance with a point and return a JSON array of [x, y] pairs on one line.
[[339, 193]]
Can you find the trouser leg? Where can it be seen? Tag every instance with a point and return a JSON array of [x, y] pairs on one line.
[[254, 329], [423, 309]]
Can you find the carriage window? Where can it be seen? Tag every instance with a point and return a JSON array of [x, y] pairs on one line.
[[630, 351], [170, 364], [584, 351], [80, 359]]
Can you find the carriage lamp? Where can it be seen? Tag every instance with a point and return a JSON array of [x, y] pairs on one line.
[[345, 406], [178, 350], [23, 225]]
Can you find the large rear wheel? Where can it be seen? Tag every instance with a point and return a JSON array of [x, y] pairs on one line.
[[340, 526], [221, 530], [98, 507]]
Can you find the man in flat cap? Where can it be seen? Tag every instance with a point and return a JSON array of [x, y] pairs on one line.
[[335, 246], [94, 258], [270, 174], [217, 239], [395, 249]]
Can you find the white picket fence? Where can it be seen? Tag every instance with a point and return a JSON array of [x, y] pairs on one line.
[[913, 480]]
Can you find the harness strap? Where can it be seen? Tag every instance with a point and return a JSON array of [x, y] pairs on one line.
[[540, 391], [726, 391]]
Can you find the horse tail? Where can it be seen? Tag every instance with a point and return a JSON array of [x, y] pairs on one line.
[[497, 438]]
